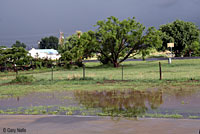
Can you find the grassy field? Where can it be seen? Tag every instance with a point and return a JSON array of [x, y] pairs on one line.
[[181, 78], [138, 75], [133, 70]]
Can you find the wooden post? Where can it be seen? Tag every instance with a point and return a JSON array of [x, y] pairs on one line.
[[52, 73], [122, 72], [160, 68], [16, 70], [83, 71], [5, 67]]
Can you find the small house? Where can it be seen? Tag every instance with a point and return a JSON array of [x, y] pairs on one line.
[[44, 53]]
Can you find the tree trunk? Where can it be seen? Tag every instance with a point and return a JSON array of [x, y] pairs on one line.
[[116, 64]]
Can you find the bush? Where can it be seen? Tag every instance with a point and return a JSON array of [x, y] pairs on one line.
[[23, 79], [104, 60]]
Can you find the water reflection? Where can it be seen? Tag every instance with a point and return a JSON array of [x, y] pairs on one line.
[[120, 103], [127, 103]]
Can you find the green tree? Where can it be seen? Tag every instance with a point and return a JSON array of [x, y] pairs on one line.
[[183, 34], [76, 48], [3, 46], [14, 56], [48, 43], [144, 53], [193, 49], [118, 40], [72, 50], [88, 40], [19, 44]]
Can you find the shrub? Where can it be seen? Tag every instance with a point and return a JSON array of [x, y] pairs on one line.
[[23, 79]]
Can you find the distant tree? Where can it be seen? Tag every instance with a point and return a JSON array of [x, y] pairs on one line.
[[3, 46], [118, 40], [185, 36], [48, 43], [19, 44]]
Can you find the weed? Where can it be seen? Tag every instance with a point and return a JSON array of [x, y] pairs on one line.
[[194, 117], [69, 113]]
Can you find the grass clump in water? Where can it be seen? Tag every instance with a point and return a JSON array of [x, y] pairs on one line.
[[176, 116], [194, 117]]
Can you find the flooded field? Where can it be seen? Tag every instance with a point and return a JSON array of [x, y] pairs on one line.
[[181, 103]]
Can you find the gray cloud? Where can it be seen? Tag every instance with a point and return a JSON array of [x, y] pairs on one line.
[[31, 20], [196, 1], [168, 3]]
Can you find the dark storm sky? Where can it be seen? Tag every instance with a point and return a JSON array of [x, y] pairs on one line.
[[30, 20]]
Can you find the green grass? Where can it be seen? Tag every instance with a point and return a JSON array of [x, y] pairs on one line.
[[194, 117], [57, 110], [44, 110], [134, 70], [176, 116], [138, 75], [48, 86]]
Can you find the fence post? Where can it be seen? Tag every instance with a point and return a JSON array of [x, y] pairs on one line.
[[160, 68], [83, 71], [5, 66], [16, 70], [122, 72], [51, 73]]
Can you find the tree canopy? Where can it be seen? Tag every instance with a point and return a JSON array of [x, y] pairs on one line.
[[15, 55], [19, 44], [49, 43], [114, 41], [71, 50], [3, 46], [185, 36], [118, 40], [76, 48]]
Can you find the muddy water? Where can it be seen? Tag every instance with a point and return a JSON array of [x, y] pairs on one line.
[[129, 103], [134, 103]]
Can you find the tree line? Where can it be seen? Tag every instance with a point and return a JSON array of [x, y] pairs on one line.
[[114, 41]]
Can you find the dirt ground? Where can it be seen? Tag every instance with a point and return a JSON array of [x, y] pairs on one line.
[[39, 124]]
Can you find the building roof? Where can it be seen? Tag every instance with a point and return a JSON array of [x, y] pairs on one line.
[[48, 51], [44, 53]]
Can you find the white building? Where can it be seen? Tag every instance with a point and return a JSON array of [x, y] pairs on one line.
[[44, 53]]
